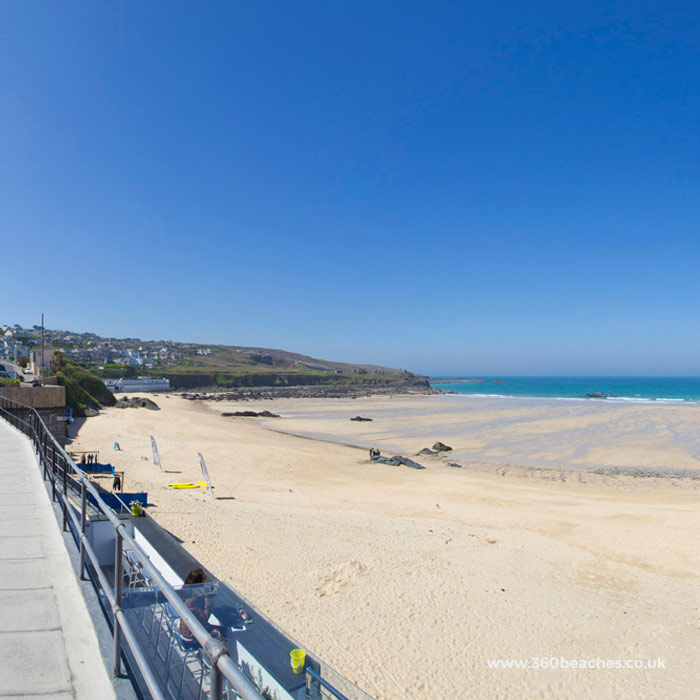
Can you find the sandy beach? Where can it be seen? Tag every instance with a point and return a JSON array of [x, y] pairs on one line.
[[568, 530]]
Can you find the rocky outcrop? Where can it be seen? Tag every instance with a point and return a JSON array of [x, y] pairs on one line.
[[126, 402], [596, 395], [361, 419], [250, 414], [441, 447], [438, 447], [304, 392], [396, 461]]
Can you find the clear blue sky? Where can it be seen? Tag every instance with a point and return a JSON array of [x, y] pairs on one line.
[[449, 187]]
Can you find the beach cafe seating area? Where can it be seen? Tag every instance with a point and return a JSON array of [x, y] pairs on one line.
[[138, 570], [250, 638]]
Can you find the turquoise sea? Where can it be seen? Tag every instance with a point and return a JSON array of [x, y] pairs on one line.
[[661, 389]]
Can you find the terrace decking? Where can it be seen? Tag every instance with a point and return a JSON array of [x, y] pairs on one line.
[[48, 646]]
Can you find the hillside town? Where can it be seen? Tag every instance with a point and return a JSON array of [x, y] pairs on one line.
[[17, 342], [129, 364]]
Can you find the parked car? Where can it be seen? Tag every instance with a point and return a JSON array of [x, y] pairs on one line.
[[8, 373]]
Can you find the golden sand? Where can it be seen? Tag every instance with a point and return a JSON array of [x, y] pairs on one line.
[[408, 582]]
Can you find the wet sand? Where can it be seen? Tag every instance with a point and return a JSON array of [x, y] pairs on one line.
[[408, 582]]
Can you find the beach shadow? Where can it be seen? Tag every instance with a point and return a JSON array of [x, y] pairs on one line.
[[172, 471], [73, 429], [225, 498]]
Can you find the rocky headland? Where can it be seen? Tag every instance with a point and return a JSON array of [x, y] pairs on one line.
[[318, 391]]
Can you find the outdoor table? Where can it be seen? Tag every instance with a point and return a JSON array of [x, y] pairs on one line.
[[255, 644]]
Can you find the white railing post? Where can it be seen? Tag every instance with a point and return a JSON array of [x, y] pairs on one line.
[[83, 527], [116, 608]]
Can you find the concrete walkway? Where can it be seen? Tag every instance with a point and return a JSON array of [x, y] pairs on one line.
[[48, 647]]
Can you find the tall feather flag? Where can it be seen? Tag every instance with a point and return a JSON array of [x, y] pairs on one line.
[[156, 456], [205, 472]]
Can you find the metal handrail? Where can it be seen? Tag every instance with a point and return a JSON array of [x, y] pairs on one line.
[[326, 684], [119, 498], [222, 665]]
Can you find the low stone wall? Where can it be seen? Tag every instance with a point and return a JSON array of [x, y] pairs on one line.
[[49, 401], [36, 396]]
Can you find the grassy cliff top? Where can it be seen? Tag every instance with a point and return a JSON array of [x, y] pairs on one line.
[[226, 358]]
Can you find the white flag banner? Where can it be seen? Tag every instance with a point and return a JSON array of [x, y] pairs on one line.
[[204, 471], [156, 457]]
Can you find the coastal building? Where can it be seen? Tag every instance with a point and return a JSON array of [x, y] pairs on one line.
[[11, 349], [140, 384], [130, 358], [78, 355], [40, 358]]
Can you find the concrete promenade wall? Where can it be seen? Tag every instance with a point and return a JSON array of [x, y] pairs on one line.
[[49, 401]]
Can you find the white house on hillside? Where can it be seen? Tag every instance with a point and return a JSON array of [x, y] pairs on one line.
[[40, 362]]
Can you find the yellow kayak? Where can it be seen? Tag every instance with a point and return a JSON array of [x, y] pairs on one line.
[[188, 485]]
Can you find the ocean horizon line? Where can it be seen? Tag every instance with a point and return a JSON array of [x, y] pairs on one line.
[[620, 388], [442, 377]]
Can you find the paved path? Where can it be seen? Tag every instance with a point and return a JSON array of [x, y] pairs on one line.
[[48, 647]]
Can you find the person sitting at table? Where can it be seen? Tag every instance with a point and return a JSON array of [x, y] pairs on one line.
[[201, 608], [195, 576]]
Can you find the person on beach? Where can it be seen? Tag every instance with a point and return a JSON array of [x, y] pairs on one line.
[[374, 453]]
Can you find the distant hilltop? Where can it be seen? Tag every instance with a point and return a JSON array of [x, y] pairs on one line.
[[195, 365]]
